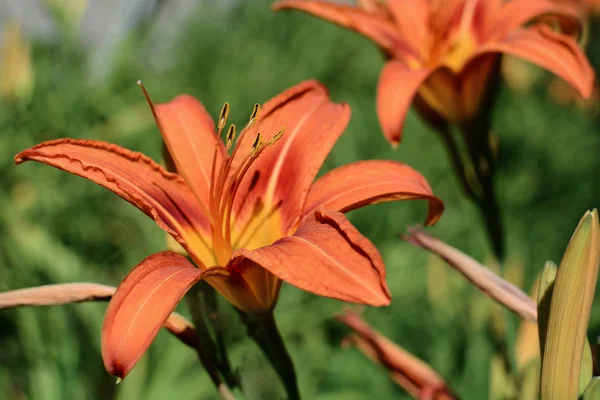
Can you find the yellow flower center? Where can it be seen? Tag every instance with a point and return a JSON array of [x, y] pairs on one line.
[[460, 51]]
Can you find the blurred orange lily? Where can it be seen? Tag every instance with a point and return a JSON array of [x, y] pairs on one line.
[[444, 53], [408, 371], [249, 215]]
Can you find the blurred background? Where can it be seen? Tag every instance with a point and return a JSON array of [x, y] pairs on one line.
[[68, 69]]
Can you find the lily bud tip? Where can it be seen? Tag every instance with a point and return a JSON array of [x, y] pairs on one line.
[[119, 380]]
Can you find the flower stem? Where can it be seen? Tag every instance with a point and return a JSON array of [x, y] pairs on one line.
[[197, 303], [263, 329], [481, 157]]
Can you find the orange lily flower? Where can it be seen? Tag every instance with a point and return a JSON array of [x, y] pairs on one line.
[[249, 215], [408, 371], [443, 54]]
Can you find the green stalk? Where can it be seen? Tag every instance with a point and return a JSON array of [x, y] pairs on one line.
[[263, 329]]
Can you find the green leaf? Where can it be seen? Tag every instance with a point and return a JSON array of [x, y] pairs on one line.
[[570, 307], [592, 392]]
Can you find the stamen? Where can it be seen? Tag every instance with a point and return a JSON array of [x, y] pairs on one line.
[[226, 182], [230, 136], [223, 116], [278, 136], [253, 116], [258, 144], [212, 195], [223, 173]]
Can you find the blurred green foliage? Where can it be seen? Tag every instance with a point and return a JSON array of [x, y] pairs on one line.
[[57, 228]]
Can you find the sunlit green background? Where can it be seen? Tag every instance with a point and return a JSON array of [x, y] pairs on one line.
[[57, 228]]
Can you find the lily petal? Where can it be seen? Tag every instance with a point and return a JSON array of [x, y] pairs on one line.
[[286, 170], [141, 306], [189, 133], [516, 13], [326, 256], [161, 195], [368, 182], [412, 20], [395, 92], [372, 25], [553, 51]]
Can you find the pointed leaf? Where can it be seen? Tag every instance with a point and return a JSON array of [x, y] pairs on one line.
[[570, 308], [547, 280], [592, 391], [142, 304], [544, 298], [485, 280], [368, 182], [326, 256]]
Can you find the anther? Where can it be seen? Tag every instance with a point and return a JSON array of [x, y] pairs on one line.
[[278, 136], [253, 116], [223, 116], [258, 144], [230, 135]]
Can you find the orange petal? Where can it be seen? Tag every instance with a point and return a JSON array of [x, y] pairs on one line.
[[553, 51], [372, 7], [161, 195], [189, 133], [368, 182], [372, 25], [516, 13], [416, 376], [326, 256], [395, 92], [286, 170], [142, 304], [412, 20]]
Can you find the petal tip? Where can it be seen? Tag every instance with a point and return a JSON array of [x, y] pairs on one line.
[[23, 156], [436, 209], [19, 158], [115, 368], [385, 301]]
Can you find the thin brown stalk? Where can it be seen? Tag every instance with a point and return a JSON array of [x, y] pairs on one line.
[[492, 285], [66, 293]]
